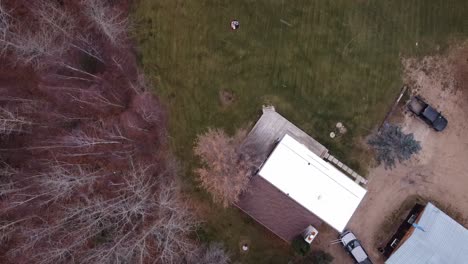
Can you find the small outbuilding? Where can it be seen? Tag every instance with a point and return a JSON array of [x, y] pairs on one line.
[[433, 237]]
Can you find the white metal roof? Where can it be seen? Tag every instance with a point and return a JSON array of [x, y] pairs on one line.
[[442, 241], [312, 182]]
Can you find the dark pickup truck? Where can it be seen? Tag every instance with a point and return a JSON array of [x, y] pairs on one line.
[[427, 113]]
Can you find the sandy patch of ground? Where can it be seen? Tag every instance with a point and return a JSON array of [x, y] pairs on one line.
[[439, 173]]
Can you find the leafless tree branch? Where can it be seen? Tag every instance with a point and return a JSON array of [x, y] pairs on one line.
[[11, 122], [93, 98], [211, 254], [62, 180], [144, 223], [111, 23]]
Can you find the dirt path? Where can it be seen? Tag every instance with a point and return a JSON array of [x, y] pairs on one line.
[[439, 173]]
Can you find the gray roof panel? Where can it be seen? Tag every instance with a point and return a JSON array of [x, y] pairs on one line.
[[442, 241]]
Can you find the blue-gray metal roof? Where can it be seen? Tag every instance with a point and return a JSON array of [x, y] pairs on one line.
[[442, 241]]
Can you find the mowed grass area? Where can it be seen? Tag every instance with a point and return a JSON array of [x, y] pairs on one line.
[[318, 62]]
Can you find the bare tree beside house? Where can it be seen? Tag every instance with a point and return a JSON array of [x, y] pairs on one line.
[[226, 169]]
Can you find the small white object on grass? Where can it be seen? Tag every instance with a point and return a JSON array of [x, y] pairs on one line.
[[332, 134], [339, 125], [285, 22], [235, 24], [417, 44], [245, 247]]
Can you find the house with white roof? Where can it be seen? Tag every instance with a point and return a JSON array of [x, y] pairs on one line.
[[297, 186], [312, 182]]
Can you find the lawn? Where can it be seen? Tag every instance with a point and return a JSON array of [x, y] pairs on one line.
[[318, 62]]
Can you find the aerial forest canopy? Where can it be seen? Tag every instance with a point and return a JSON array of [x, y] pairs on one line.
[[86, 175]]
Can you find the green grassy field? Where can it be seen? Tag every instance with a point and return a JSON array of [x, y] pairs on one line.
[[318, 62]]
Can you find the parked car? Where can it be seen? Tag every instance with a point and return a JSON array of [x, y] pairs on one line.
[[353, 246], [427, 113]]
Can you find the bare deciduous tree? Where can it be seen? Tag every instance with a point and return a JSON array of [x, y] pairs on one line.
[[63, 180], [165, 234], [8, 228], [211, 254], [4, 24], [6, 171], [47, 43], [96, 136], [149, 111], [51, 15], [109, 21], [59, 183], [35, 46], [140, 84], [7, 185], [57, 19], [84, 206], [94, 99], [143, 222], [93, 136], [226, 169], [12, 122]]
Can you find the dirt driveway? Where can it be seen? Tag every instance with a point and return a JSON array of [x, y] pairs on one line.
[[439, 173]]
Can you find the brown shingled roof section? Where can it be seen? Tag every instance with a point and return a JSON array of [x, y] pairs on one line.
[[275, 210]]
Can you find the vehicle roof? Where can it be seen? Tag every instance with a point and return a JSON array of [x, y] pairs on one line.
[[430, 113], [347, 237], [366, 261], [440, 123], [359, 254]]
